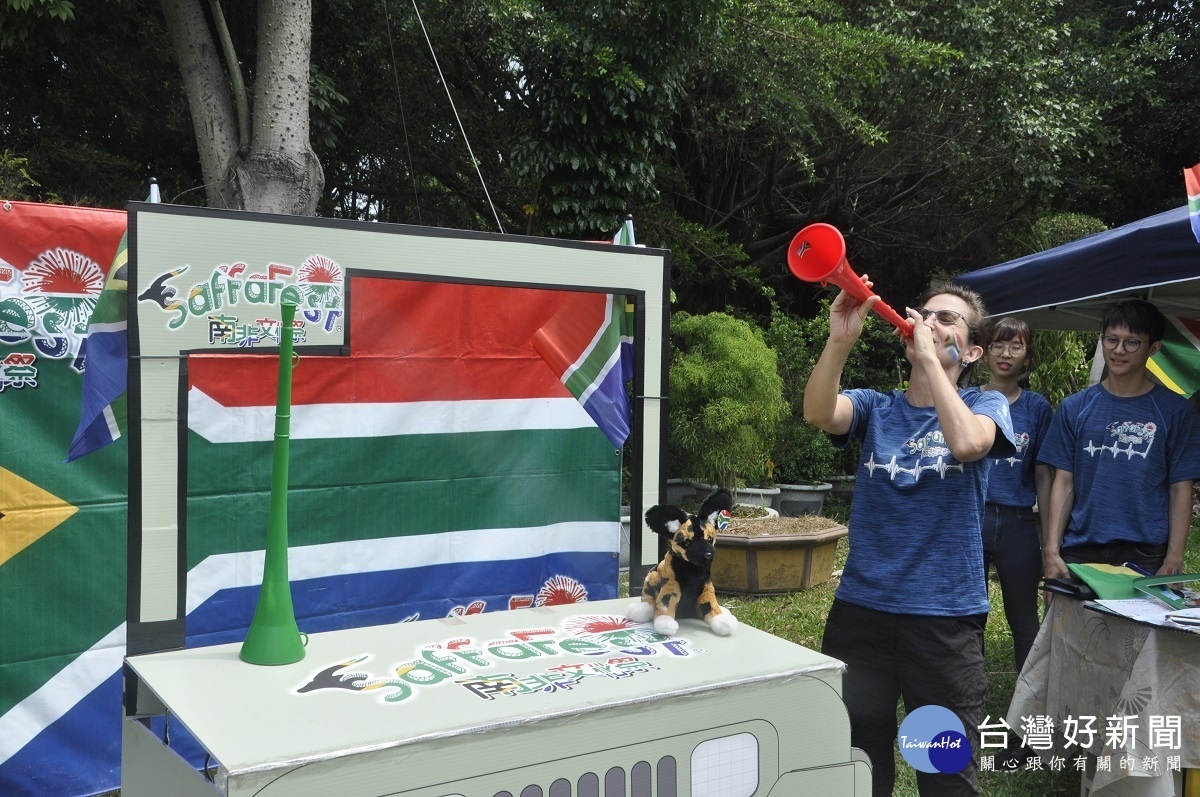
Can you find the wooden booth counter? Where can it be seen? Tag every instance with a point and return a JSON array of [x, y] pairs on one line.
[[559, 701]]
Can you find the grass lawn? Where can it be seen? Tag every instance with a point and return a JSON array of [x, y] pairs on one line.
[[800, 617]]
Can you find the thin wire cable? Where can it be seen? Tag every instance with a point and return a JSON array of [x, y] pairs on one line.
[[446, 86], [403, 123]]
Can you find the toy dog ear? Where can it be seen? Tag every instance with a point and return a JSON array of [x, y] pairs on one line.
[[718, 500], [665, 519]]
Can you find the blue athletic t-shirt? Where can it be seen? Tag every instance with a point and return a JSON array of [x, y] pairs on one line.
[[916, 544], [1010, 481], [1123, 454]]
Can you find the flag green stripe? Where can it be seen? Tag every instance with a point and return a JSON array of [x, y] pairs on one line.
[[66, 591], [1177, 363], [358, 488], [110, 308], [61, 596]]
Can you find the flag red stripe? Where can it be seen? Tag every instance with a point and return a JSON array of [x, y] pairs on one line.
[[447, 343], [565, 336]]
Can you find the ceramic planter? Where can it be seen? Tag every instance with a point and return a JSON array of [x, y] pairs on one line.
[[677, 490], [757, 496], [842, 485], [795, 500], [774, 564]]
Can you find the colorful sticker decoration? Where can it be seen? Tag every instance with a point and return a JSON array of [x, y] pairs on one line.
[[954, 346]]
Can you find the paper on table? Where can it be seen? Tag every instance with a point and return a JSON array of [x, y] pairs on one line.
[[1145, 610], [1189, 618]]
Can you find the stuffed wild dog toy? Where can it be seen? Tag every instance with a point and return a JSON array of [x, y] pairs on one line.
[[681, 583]]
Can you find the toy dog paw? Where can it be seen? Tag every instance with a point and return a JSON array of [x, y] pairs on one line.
[[640, 612], [723, 624], [666, 625]]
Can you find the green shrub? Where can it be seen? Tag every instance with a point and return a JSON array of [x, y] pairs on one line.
[[726, 400]]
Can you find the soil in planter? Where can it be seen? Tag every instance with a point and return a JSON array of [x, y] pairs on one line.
[[692, 506], [765, 527]]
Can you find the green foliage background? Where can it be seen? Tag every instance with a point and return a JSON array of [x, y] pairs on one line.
[[726, 399]]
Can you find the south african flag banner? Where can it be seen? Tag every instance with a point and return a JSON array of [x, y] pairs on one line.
[[1177, 363]]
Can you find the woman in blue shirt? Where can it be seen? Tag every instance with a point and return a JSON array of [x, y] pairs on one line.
[[1012, 531], [909, 611]]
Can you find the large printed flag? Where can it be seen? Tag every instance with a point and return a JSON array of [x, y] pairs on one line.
[[1177, 363], [441, 469], [1191, 179], [62, 528], [106, 373]]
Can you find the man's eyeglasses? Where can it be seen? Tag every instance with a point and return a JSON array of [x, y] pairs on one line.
[[947, 317], [1111, 342], [1014, 348]]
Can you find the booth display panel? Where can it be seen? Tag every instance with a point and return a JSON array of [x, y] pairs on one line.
[[558, 701]]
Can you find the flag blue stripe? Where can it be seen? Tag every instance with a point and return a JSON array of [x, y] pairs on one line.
[[608, 405], [56, 763], [607, 402], [352, 600]]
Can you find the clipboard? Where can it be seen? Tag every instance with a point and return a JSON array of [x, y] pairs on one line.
[[1072, 586], [1163, 588]]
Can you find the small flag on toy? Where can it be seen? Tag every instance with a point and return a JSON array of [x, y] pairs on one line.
[[723, 520]]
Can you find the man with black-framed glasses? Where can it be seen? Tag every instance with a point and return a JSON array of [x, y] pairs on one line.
[[1125, 453]]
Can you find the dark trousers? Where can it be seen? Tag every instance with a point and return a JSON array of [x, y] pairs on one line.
[[1011, 542], [1148, 557], [922, 660]]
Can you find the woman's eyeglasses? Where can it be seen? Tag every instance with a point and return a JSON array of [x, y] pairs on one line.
[[947, 317], [1111, 342], [1014, 348]]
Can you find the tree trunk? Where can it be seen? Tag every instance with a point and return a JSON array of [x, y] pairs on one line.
[[275, 170]]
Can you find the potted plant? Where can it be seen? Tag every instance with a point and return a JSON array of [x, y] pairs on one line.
[[726, 401], [769, 557]]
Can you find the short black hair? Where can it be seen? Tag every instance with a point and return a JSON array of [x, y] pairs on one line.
[[1138, 316]]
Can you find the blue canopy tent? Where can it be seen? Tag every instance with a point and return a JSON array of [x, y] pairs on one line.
[[1070, 286]]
